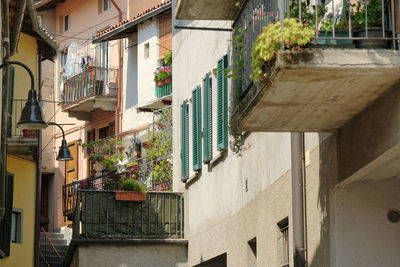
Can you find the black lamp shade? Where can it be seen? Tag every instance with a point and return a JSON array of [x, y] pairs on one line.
[[31, 117], [64, 154]]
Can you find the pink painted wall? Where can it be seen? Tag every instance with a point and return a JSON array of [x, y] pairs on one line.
[[85, 22]]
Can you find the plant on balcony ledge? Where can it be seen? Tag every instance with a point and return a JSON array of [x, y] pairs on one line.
[[163, 76], [294, 35], [131, 191]]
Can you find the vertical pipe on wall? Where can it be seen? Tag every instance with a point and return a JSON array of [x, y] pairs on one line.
[[298, 218], [38, 173], [4, 107], [117, 110]]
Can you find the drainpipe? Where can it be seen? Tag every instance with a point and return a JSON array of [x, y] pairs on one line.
[[38, 174], [4, 109], [117, 110], [298, 193]]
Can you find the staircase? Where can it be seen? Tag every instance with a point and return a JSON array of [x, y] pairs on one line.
[[53, 247]]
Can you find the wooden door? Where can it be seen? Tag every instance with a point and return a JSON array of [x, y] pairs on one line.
[[71, 167]]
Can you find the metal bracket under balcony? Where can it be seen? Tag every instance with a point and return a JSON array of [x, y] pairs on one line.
[[318, 90]]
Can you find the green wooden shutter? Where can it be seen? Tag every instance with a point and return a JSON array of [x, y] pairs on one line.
[[222, 104], [196, 118], [184, 141], [207, 119], [10, 100], [5, 224]]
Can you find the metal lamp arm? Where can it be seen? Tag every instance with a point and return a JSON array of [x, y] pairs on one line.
[[59, 126], [22, 65]]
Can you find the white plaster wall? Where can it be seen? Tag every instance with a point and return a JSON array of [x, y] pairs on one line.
[[147, 33], [364, 236], [138, 255]]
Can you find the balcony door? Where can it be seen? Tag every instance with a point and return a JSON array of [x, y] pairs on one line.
[[103, 67]]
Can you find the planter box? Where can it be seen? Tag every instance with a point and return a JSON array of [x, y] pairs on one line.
[[129, 196]]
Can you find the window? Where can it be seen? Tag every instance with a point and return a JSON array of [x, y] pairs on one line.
[[284, 242], [252, 253], [185, 141], [146, 50], [106, 5], [63, 58], [222, 104], [164, 35], [5, 223], [66, 23], [16, 226], [196, 118], [207, 118]]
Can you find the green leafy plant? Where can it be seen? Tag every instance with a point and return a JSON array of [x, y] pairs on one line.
[[105, 152], [374, 14], [133, 185], [162, 73], [159, 148], [294, 35], [167, 58], [307, 11]]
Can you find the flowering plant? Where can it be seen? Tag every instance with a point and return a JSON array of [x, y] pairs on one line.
[[162, 73]]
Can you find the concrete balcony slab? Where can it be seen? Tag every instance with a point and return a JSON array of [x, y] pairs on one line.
[[318, 90]]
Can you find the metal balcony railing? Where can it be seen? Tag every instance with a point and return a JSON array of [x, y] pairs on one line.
[[14, 115], [335, 22], [98, 215], [163, 90], [94, 81]]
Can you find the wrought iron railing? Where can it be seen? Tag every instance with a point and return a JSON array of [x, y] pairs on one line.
[[336, 22], [49, 255], [94, 81], [98, 215], [14, 115]]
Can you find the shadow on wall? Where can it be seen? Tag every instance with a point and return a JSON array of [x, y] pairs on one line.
[[131, 99], [325, 208]]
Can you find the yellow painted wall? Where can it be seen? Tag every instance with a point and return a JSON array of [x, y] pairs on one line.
[[24, 198], [26, 53], [24, 171]]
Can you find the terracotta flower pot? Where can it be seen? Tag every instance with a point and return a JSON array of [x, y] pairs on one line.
[[129, 196], [167, 80], [160, 83]]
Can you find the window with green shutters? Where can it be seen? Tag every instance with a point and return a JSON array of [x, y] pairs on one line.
[[207, 119], [222, 104], [196, 128], [5, 223], [185, 141]]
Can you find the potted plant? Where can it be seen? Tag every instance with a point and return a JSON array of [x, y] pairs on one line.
[[341, 30], [131, 191], [163, 75], [132, 167], [374, 25]]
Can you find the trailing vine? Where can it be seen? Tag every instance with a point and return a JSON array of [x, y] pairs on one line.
[[294, 35]]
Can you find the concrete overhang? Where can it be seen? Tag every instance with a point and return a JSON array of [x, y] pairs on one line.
[[21, 147], [155, 104], [85, 106], [206, 9], [317, 90]]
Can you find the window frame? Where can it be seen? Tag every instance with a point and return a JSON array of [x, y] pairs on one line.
[[68, 24], [18, 225]]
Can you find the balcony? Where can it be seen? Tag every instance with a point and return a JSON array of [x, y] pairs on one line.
[[94, 88], [206, 10], [20, 143], [321, 87]]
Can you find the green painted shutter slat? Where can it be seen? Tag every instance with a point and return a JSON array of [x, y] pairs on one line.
[[184, 141], [10, 99], [5, 224], [222, 104], [207, 119], [196, 118]]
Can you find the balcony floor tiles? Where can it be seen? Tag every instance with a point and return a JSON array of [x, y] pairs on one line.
[[317, 90]]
